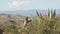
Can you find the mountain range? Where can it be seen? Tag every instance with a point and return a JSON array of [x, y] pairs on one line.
[[27, 12]]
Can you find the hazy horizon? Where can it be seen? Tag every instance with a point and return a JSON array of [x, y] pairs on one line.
[[28, 12], [28, 7]]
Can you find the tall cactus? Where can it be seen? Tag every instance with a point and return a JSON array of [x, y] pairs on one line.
[[54, 13], [48, 12], [37, 12], [39, 15], [51, 13]]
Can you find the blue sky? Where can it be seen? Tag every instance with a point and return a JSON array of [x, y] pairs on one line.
[[28, 4]]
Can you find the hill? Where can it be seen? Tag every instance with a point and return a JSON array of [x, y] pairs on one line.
[[11, 18]]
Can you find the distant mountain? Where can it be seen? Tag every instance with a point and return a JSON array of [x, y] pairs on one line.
[[20, 12], [28, 12]]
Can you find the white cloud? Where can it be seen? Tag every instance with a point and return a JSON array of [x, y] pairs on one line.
[[15, 4]]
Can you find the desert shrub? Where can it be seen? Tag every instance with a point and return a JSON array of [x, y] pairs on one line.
[[44, 25], [41, 24]]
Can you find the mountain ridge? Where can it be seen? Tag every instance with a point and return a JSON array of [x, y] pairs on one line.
[[27, 12]]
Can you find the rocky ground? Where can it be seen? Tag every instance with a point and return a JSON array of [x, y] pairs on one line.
[[13, 19]]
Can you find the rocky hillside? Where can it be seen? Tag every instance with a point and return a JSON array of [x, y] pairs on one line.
[[11, 18]]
